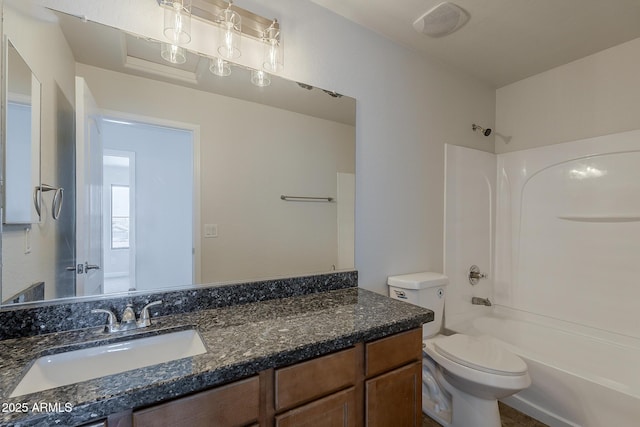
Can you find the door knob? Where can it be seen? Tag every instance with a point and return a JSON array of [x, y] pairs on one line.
[[88, 267]]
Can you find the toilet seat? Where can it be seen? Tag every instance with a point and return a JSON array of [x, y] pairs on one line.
[[509, 381], [482, 355]]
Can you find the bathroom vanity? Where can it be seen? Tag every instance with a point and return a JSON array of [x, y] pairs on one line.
[[384, 375], [348, 354]]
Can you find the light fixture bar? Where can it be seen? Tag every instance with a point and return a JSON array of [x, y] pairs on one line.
[[208, 10]]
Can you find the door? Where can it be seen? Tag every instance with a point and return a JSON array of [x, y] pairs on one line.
[[162, 203], [89, 193]]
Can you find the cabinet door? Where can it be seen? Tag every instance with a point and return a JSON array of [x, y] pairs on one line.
[[234, 404], [336, 410], [395, 398]]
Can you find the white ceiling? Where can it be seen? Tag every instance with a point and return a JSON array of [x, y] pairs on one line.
[[505, 40]]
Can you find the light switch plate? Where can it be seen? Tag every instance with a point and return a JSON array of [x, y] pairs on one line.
[[210, 230]]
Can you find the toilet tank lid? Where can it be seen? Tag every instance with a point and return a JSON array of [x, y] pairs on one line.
[[418, 280]]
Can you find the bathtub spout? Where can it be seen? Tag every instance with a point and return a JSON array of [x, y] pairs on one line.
[[481, 301]]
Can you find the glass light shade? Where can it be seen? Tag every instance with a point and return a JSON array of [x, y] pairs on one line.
[[260, 78], [174, 54], [230, 33], [219, 67], [177, 21], [272, 59]]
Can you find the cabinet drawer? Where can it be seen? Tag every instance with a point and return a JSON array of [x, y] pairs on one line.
[[315, 378], [394, 351], [230, 405], [336, 410]]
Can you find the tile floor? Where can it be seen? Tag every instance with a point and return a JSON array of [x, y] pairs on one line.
[[510, 418]]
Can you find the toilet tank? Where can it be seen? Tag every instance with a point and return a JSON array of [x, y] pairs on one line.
[[424, 289]]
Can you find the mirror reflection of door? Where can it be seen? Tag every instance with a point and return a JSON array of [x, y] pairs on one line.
[[89, 147], [135, 202], [148, 209]]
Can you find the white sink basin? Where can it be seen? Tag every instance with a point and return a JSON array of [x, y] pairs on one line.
[[81, 365]]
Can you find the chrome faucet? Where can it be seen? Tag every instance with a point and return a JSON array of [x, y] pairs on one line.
[[128, 320], [481, 301]]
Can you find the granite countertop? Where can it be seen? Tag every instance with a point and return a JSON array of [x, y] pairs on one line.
[[241, 341]]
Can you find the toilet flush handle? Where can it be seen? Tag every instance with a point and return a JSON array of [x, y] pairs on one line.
[[475, 275]]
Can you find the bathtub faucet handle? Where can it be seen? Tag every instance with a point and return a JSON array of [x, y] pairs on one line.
[[475, 275]]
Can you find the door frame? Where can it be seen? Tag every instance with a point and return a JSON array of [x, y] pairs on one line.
[[115, 116]]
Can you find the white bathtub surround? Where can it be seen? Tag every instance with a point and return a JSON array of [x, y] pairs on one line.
[[469, 229], [567, 239], [568, 234]]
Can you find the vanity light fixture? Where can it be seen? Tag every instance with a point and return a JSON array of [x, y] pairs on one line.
[[234, 23], [260, 78], [219, 67], [177, 21], [173, 53], [230, 30], [272, 48]]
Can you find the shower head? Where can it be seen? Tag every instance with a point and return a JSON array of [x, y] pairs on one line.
[[485, 132]]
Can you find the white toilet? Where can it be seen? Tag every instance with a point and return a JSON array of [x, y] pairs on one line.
[[462, 376]]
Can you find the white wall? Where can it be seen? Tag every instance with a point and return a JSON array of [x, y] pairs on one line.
[[407, 108], [593, 96]]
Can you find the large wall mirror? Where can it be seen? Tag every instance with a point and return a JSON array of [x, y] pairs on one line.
[[173, 176]]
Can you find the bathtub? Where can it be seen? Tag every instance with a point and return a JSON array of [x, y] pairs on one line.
[[580, 376]]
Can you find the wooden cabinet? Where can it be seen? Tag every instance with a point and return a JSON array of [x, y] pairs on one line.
[[374, 384], [234, 404], [337, 410], [395, 398], [393, 390]]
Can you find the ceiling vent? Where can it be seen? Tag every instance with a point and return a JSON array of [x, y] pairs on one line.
[[441, 20]]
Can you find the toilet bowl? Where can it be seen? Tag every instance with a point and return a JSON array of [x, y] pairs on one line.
[[475, 373], [463, 376]]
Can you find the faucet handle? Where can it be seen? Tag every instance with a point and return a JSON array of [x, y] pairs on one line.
[[112, 324], [475, 275], [145, 318], [128, 315]]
